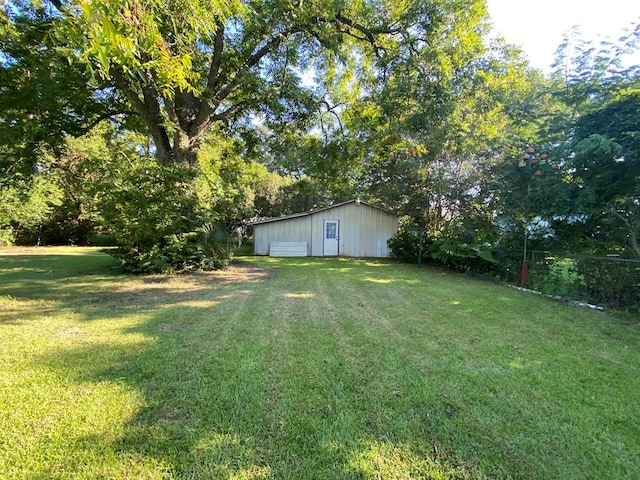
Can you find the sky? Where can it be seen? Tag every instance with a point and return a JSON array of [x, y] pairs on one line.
[[538, 26]]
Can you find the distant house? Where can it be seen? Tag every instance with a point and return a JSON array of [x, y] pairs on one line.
[[351, 229]]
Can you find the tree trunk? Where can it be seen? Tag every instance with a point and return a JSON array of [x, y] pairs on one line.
[[186, 153], [164, 151], [185, 147]]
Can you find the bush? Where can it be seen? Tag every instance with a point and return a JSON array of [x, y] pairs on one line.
[[102, 240], [447, 250], [405, 245], [6, 236], [455, 254], [156, 218], [610, 282], [554, 275], [207, 249]]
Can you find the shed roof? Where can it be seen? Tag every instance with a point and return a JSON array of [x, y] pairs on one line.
[[316, 210]]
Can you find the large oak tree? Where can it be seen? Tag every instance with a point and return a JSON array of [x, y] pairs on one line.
[[186, 65]]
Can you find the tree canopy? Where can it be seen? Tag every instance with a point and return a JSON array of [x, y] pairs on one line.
[[186, 65]]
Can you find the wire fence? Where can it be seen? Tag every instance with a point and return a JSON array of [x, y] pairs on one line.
[[607, 281]]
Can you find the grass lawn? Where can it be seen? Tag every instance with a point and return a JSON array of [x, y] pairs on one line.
[[305, 369]]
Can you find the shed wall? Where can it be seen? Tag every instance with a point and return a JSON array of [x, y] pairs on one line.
[[363, 231], [291, 230]]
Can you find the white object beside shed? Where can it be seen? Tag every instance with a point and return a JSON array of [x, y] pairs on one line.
[[351, 229], [288, 249]]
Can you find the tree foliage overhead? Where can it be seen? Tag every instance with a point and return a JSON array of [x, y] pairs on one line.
[[45, 95], [596, 136], [586, 73], [607, 168], [186, 65]]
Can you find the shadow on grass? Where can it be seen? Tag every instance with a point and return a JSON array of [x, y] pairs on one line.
[[324, 371], [219, 404], [239, 382]]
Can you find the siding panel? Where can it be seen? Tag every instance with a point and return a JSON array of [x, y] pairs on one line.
[[363, 231]]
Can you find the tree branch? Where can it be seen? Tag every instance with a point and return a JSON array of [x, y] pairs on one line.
[[205, 110], [216, 60], [221, 92], [369, 34], [331, 110], [229, 112], [200, 129], [131, 95], [59, 5], [149, 110], [87, 128], [251, 61]]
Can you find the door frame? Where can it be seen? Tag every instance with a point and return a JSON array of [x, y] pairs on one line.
[[324, 238]]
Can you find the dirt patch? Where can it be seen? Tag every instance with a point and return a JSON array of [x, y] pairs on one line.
[[237, 273], [231, 273], [240, 273], [197, 289], [20, 250], [68, 333]]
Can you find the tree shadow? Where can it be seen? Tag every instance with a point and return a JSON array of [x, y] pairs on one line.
[[258, 372], [238, 386]]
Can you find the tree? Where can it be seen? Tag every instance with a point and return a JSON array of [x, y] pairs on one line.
[[26, 204], [234, 186], [407, 102], [586, 73], [607, 169], [187, 65], [595, 136], [45, 95]]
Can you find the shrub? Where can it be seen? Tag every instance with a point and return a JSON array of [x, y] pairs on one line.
[[452, 250], [102, 239], [610, 282], [6, 236], [405, 244], [207, 249], [156, 219], [455, 254]]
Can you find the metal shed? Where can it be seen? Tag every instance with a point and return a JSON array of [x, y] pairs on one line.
[[351, 229]]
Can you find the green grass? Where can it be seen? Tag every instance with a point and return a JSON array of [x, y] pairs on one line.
[[305, 369]]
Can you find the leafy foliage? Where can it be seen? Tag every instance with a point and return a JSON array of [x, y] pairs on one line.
[[405, 244], [25, 204], [611, 283], [223, 111], [453, 252], [230, 57], [45, 94], [607, 167], [456, 248], [208, 249]]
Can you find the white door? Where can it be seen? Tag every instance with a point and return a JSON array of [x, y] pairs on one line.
[[331, 238]]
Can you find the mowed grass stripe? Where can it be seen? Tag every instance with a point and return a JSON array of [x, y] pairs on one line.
[[306, 368]]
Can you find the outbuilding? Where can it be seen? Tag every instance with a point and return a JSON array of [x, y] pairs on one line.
[[350, 229]]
